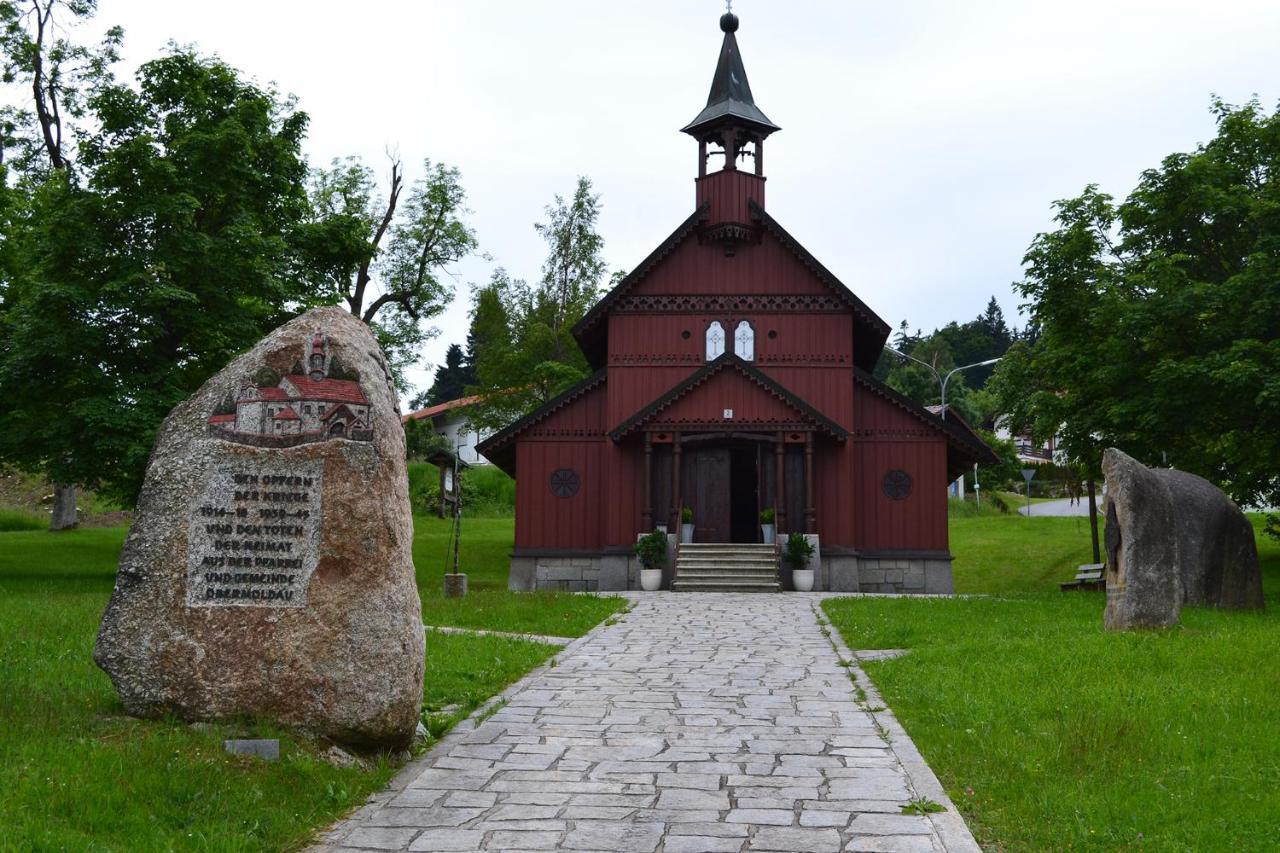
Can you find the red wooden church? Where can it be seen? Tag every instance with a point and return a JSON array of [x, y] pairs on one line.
[[732, 375]]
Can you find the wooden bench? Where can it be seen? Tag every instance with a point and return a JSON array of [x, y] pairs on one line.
[[1088, 576]]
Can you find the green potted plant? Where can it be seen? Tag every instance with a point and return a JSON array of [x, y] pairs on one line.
[[796, 553], [652, 551], [766, 525], [686, 525]]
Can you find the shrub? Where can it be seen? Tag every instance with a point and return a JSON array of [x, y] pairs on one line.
[[487, 492], [686, 515], [998, 502], [766, 516], [797, 551], [652, 549]]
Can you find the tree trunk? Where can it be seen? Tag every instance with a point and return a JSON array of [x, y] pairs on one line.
[[1093, 522], [64, 507]]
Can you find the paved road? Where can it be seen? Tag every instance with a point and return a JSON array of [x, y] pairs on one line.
[[1063, 507], [699, 722]]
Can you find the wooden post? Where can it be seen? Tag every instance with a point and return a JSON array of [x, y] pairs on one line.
[[1093, 521], [760, 158], [646, 518], [780, 495], [702, 158], [676, 505], [809, 514]]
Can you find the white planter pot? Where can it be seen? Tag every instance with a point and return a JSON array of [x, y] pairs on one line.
[[651, 579], [802, 579], [686, 533], [766, 533]]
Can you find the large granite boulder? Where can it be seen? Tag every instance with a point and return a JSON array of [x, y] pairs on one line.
[[268, 572], [1172, 538]]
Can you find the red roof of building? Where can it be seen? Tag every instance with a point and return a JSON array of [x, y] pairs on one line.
[[222, 419], [273, 393], [286, 414], [335, 390], [443, 407]]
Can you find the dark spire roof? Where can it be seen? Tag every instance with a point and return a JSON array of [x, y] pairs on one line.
[[730, 96]]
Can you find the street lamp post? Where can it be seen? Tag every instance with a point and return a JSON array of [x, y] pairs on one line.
[[943, 380]]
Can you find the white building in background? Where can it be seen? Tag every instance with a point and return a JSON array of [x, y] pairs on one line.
[[450, 421], [1028, 450]]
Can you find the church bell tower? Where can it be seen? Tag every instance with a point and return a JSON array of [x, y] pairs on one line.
[[730, 127]]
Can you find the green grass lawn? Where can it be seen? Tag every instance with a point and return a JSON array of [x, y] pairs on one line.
[[484, 554], [1050, 733], [78, 774], [1011, 554]]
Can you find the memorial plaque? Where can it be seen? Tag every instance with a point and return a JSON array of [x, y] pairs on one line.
[[268, 571], [255, 535]]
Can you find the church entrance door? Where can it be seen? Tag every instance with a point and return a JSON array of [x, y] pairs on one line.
[[721, 486], [707, 472]]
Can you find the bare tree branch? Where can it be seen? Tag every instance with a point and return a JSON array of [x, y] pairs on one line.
[[356, 299], [49, 122]]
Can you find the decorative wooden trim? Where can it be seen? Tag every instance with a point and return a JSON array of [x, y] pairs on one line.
[[718, 426], [729, 233], [729, 361], [728, 435], [712, 303]]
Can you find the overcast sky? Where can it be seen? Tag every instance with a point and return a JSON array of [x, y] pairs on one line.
[[921, 146]]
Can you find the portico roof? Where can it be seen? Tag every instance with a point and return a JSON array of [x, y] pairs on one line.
[[756, 380]]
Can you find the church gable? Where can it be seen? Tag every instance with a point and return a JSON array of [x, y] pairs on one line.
[[763, 270], [729, 393], [577, 413], [764, 267]]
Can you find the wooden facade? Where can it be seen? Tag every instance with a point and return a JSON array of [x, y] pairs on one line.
[[787, 418]]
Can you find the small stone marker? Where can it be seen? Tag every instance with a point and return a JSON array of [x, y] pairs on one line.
[[265, 749], [1173, 538], [268, 571], [455, 585]]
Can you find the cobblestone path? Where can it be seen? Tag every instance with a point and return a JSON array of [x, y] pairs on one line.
[[699, 722]]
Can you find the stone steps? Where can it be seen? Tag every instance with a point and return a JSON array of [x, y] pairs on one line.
[[724, 567]]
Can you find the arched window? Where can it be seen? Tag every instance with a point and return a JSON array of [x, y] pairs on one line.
[[744, 341], [715, 340]]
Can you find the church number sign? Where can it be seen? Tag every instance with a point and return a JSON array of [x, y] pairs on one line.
[[897, 484], [564, 482]]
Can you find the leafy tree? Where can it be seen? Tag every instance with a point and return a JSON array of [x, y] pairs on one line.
[[58, 73], [421, 440], [140, 269], [384, 256], [1158, 319], [451, 380], [525, 352]]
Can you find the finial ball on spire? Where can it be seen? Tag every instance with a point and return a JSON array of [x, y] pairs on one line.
[[729, 22]]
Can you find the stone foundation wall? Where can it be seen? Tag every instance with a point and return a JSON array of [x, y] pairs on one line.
[[902, 574], [917, 572], [566, 574], [586, 573]]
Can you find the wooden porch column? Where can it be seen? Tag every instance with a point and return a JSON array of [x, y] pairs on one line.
[[676, 505], [646, 518], [810, 515], [780, 496]]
